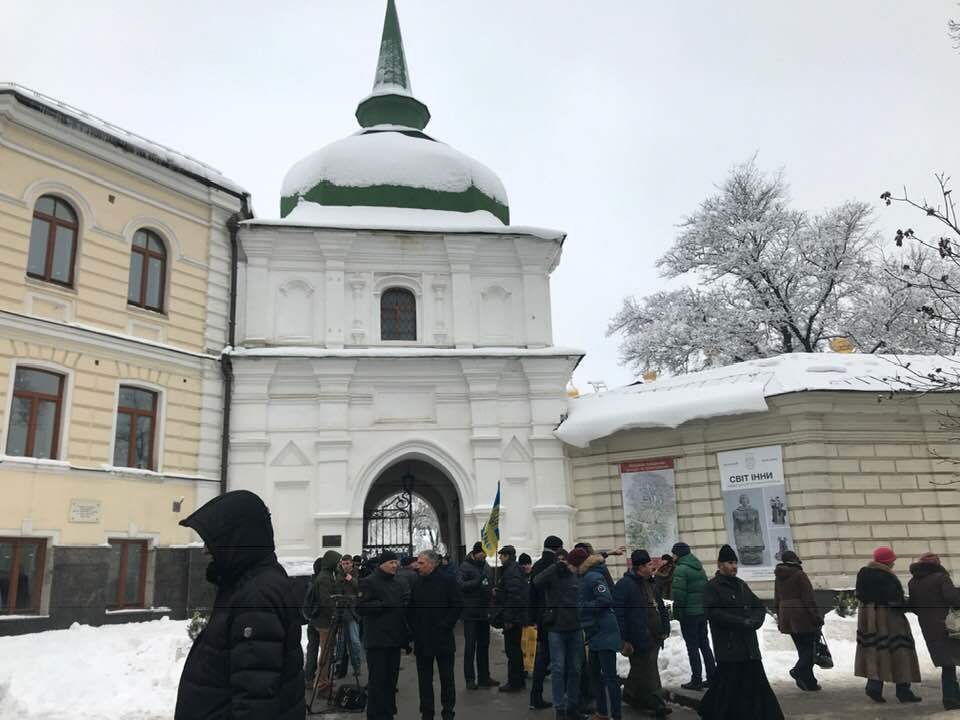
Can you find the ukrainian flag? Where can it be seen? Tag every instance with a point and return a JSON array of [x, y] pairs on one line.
[[490, 533]]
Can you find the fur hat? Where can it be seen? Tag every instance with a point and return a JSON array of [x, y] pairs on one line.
[[577, 556], [727, 555], [884, 555], [680, 549]]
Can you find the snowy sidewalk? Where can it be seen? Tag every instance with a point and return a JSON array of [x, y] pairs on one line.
[[131, 672]]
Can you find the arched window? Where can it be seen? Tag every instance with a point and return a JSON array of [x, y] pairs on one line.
[[53, 241], [398, 315], [148, 271]]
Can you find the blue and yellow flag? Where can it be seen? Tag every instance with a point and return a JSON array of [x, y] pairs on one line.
[[490, 533]]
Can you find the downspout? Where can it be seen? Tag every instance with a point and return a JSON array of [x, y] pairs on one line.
[[226, 362]]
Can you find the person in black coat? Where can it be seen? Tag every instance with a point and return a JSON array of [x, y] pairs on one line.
[[476, 585], [551, 545], [247, 664], [644, 625], [435, 607], [511, 599], [382, 604], [739, 688]]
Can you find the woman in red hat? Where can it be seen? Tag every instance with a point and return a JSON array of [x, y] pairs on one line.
[[885, 648]]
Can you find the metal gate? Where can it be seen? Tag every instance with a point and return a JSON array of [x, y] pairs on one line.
[[390, 526]]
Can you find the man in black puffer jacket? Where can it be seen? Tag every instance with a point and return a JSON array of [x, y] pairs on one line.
[[512, 598], [247, 664], [475, 580], [548, 558], [382, 604]]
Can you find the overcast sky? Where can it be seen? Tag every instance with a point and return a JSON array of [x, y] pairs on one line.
[[609, 120]]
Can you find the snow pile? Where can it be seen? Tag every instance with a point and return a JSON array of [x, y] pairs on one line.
[[780, 654], [392, 158], [738, 389], [114, 672], [149, 148], [389, 218], [296, 566]]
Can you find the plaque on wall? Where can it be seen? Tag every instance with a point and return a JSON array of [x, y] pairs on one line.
[[84, 511]]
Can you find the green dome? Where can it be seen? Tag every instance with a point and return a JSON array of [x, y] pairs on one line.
[[391, 162]]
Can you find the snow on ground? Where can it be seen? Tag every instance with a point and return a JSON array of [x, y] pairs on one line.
[[131, 672]]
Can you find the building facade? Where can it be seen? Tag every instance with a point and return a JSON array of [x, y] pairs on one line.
[[114, 308], [395, 337]]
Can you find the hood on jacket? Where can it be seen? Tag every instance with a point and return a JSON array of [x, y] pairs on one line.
[[591, 562], [330, 561], [784, 571], [691, 561], [922, 570], [237, 531]]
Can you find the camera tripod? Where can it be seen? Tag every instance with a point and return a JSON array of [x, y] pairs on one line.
[[324, 682]]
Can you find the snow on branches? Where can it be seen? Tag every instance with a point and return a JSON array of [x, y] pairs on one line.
[[769, 279]]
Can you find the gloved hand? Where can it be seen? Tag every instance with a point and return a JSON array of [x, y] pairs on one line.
[[626, 650]]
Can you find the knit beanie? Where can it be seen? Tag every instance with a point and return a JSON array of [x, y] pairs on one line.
[[639, 557], [884, 555], [680, 549], [929, 557], [477, 547], [552, 542], [727, 554], [386, 556], [508, 550], [524, 559], [577, 556]]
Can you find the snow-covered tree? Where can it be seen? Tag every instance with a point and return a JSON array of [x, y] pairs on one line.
[[768, 279]]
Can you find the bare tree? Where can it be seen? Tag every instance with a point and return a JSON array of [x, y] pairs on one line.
[[770, 279]]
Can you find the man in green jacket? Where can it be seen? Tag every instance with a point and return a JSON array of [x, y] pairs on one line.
[[689, 581]]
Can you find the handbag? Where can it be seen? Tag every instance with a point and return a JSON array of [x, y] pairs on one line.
[[821, 654], [952, 622], [350, 697]]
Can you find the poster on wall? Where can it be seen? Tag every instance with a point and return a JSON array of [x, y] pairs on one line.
[[649, 505], [755, 508]]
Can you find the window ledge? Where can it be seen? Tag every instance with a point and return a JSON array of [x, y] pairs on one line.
[[148, 313], [24, 617], [36, 462], [66, 290], [133, 611]]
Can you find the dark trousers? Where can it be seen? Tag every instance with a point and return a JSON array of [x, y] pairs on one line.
[[586, 680], [514, 653], [476, 647], [948, 680], [606, 685], [806, 645], [448, 692], [383, 671], [876, 686], [541, 663], [642, 688], [694, 631]]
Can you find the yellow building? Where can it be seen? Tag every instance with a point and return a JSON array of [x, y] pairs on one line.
[[115, 260]]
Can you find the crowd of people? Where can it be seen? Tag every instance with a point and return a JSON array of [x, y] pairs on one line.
[[248, 662]]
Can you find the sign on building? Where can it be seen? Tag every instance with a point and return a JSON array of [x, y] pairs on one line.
[[755, 508], [649, 505]]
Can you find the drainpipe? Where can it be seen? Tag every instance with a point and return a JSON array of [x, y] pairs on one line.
[[226, 362]]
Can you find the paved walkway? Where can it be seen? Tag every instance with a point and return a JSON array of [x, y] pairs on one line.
[[841, 699]]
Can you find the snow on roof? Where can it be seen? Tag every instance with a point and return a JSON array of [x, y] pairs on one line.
[[400, 352], [362, 217], [161, 154], [738, 389], [392, 158]]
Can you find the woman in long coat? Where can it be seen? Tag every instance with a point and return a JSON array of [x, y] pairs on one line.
[[885, 648], [797, 616], [932, 593]]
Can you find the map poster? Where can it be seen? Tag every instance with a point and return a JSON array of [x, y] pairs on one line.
[[755, 508], [649, 505]]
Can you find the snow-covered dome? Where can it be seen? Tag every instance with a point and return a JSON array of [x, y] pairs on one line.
[[391, 162]]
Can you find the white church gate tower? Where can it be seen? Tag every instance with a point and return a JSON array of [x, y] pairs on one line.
[[395, 340]]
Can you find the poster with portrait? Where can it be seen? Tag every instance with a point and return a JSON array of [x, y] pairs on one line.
[[755, 508], [649, 505]]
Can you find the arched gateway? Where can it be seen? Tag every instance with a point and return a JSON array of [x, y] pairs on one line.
[[413, 505]]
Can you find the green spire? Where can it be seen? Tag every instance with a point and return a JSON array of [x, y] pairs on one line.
[[392, 101]]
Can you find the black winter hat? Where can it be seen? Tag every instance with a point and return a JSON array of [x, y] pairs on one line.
[[552, 542], [789, 556], [477, 547], [727, 555], [680, 549], [639, 557], [508, 550], [524, 559], [386, 556]]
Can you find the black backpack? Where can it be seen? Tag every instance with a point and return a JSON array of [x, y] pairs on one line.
[[351, 697]]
